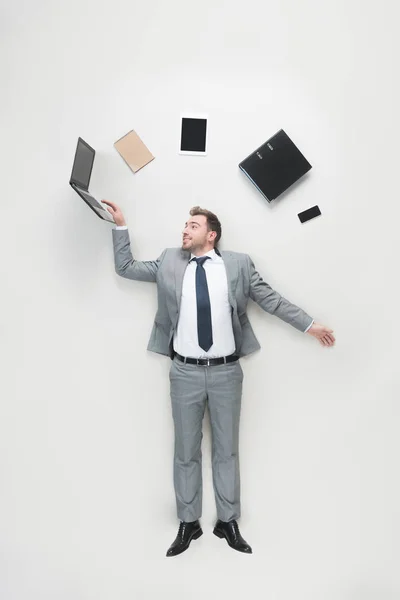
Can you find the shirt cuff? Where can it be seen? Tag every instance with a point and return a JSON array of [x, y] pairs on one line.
[[312, 322], [121, 227]]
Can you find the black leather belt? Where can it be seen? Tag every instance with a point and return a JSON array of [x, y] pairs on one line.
[[207, 362]]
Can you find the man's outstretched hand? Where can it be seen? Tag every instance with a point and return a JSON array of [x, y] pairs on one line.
[[322, 333], [116, 212]]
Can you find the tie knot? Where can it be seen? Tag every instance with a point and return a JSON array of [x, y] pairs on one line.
[[201, 260]]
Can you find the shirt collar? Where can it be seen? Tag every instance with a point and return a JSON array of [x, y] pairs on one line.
[[212, 254]]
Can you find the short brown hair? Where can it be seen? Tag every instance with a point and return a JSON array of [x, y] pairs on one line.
[[213, 223]]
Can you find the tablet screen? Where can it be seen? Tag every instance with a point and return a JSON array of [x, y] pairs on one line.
[[193, 135]]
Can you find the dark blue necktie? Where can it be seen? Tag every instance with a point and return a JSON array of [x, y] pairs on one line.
[[204, 328]]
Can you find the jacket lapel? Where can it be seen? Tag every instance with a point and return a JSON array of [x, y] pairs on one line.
[[232, 273]]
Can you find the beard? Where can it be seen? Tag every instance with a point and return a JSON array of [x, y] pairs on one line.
[[187, 244], [193, 246]]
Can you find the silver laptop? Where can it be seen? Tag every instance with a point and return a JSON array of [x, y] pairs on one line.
[[80, 179]]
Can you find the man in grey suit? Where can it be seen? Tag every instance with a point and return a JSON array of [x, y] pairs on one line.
[[202, 325]]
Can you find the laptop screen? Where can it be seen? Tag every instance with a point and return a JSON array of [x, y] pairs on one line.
[[83, 164]]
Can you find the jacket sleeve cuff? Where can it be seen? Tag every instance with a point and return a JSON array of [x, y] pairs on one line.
[[312, 322]]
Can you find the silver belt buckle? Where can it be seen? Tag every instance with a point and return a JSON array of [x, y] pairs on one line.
[[204, 365]]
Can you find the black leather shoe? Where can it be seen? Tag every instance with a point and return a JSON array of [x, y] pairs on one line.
[[230, 531], [186, 533]]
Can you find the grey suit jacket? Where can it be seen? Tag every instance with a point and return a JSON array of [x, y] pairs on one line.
[[244, 282]]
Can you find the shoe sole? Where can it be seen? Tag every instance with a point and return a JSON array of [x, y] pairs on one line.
[[195, 536], [221, 535]]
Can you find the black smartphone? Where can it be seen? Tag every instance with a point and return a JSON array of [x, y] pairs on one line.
[[308, 214]]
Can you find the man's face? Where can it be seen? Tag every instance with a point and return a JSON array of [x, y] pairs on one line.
[[196, 235]]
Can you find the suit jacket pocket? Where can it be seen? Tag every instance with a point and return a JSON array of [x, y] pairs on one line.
[[164, 324]]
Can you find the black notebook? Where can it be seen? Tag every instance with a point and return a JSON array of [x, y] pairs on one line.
[[275, 165]]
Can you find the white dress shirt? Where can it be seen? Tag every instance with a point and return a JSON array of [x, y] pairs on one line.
[[186, 337]]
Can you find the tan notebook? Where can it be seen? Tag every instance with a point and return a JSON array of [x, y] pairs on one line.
[[133, 151]]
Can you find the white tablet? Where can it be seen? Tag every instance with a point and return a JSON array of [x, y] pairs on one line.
[[193, 139]]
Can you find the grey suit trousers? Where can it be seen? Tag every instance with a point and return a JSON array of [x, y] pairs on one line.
[[191, 388]]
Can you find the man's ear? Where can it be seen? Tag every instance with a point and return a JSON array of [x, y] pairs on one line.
[[212, 235]]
